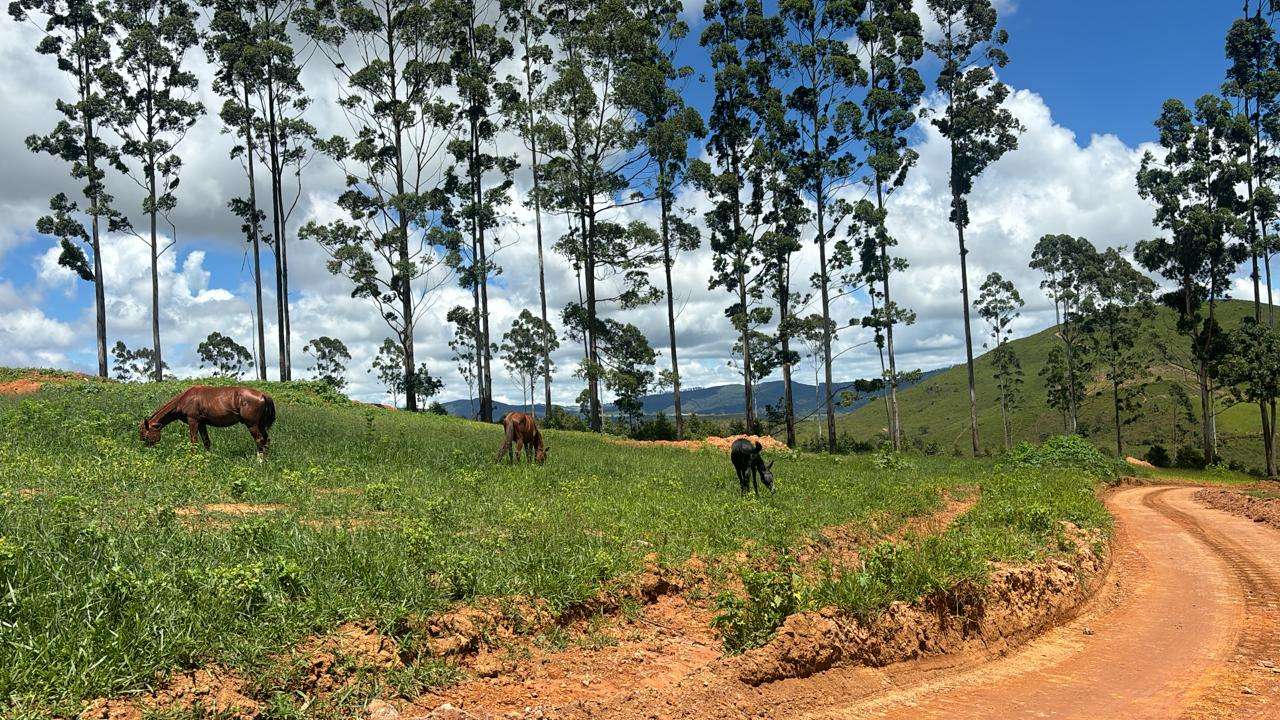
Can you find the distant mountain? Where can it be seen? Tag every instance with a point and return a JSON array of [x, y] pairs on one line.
[[708, 401]]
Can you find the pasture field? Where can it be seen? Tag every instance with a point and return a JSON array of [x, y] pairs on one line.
[[119, 563]]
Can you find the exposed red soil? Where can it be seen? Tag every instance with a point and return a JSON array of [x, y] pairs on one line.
[[719, 443], [1260, 510], [23, 386], [209, 689]]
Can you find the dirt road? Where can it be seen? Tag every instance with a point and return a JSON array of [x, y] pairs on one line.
[[1189, 627]]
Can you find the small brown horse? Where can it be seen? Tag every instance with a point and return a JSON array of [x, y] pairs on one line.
[[521, 430], [200, 406]]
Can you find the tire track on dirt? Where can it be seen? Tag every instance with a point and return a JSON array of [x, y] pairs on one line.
[[1187, 634]]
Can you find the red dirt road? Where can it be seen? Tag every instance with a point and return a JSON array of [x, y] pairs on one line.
[[1187, 627]]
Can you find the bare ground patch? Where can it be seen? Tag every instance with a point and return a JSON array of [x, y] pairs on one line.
[[1260, 510]]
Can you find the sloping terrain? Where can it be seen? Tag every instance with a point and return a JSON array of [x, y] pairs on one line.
[[935, 413]]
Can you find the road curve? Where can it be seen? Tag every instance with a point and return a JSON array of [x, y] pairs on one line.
[[1189, 627]]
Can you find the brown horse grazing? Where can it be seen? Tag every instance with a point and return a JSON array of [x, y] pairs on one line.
[[521, 430], [200, 406]]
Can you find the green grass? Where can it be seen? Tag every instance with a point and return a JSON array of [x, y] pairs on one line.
[[935, 413], [383, 516]]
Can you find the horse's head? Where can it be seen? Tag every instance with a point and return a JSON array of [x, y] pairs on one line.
[[149, 432], [540, 455], [766, 475]]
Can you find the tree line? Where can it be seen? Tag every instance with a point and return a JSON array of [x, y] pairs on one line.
[[804, 144]]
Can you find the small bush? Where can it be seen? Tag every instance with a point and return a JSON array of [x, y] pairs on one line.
[[1062, 451], [1189, 457], [437, 408], [1159, 456], [771, 597], [560, 419], [658, 428]]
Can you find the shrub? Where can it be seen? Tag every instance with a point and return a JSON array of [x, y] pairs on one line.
[[1189, 457], [771, 597], [658, 428], [1158, 456], [437, 408], [560, 419], [1062, 451]]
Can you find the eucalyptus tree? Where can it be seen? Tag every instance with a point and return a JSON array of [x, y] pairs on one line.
[[526, 24], [524, 348], [627, 359], [745, 54], [228, 44], [480, 180], [1116, 315], [156, 103], [1253, 78], [827, 77], [330, 360], [978, 128], [388, 365], [281, 104], [1067, 263], [891, 38], [227, 357], [391, 71], [590, 138], [998, 304], [1195, 187], [77, 35], [668, 126], [784, 220], [1252, 369], [463, 345]]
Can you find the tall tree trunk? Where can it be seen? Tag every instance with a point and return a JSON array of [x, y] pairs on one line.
[[667, 262], [968, 337], [784, 339], [740, 262], [1115, 403], [1067, 340], [593, 348], [99, 288], [537, 211], [255, 237], [1004, 415], [158, 371], [823, 282], [405, 291], [895, 421], [277, 223]]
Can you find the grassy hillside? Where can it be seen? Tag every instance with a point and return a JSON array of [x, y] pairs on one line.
[[936, 411], [120, 563]]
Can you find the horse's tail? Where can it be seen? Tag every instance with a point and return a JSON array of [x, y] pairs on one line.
[[268, 412]]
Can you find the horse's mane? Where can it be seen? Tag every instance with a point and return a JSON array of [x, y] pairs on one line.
[[165, 409]]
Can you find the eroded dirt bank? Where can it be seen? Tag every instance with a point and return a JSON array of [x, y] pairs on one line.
[[1261, 510], [1188, 628]]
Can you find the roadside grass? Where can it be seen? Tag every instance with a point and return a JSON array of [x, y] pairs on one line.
[[113, 570], [1207, 476]]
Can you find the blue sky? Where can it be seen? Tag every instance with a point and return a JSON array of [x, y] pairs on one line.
[[1091, 68]]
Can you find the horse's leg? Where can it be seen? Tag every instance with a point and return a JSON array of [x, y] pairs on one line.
[[193, 429], [204, 436]]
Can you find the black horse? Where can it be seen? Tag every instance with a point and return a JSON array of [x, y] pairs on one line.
[[749, 465]]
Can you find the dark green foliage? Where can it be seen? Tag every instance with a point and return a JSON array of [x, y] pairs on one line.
[[771, 597], [1158, 455], [525, 347], [227, 357], [1189, 457], [135, 365], [1195, 187], [331, 358], [1062, 451]]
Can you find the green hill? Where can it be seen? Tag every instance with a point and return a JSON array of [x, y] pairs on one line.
[[935, 413]]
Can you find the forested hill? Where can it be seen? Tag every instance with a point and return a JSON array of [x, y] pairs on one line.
[[718, 400], [935, 412]]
